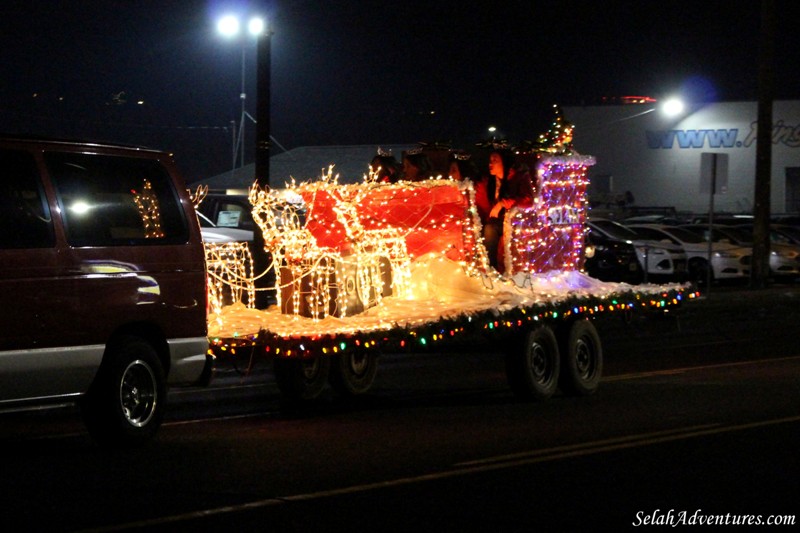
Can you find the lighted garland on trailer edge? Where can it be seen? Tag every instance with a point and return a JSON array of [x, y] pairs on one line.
[[399, 339]]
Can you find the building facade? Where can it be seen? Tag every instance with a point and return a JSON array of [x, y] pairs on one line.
[[656, 160]]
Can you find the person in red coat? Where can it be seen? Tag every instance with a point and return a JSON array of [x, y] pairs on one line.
[[506, 186]]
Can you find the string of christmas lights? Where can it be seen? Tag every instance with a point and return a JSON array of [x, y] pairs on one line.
[[550, 235], [230, 276], [396, 338], [396, 266], [147, 204]]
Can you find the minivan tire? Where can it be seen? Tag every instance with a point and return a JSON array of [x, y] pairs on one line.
[[124, 406]]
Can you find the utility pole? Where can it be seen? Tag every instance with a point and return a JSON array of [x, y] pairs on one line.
[[759, 274], [261, 260], [263, 108]]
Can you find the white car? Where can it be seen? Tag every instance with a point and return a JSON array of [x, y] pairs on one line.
[[784, 257], [662, 261], [728, 261], [785, 234], [212, 233]]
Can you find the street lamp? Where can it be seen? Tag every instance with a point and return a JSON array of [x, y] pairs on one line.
[[672, 107], [230, 26]]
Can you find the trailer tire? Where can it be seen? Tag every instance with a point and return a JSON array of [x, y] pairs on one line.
[[301, 379], [582, 359], [532, 366], [353, 373]]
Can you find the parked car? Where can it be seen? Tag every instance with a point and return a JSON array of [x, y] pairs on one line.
[[235, 211], [726, 219], [728, 262], [102, 276], [653, 219], [784, 258], [786, 219], [212, 233], [228, 211], [786, 233], [778, 233], [662, 262], [610, 259]]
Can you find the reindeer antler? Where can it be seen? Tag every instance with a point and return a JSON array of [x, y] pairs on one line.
[[263, 212], [198, 195]]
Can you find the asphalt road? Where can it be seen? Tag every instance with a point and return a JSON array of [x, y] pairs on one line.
[[698, 416]]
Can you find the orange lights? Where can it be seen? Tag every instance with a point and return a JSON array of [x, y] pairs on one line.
[[400, 265], [230, 279]]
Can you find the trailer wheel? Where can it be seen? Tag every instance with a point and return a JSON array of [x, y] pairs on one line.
[[582, 363], [533, 370], [301, 379], [353, 373]]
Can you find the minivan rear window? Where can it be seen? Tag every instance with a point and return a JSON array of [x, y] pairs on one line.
[[24, 216], [115, 200]]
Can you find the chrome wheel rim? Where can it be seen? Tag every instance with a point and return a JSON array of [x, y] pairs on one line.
[[138, 394]]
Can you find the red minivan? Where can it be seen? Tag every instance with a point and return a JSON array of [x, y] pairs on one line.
[[102, 283]]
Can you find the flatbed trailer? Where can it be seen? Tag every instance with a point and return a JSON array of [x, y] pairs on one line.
[[377, 268]]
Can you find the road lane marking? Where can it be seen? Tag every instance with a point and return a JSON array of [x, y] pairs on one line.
[[621, 443], [556, 451], [686, 369], [471, 467]]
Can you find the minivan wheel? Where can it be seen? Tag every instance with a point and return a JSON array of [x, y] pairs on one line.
[[125, 404]]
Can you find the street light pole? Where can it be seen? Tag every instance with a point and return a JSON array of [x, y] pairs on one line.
[[234, 134], [243, 98], [230, 26]]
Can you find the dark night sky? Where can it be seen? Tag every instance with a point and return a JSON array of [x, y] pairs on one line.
[[361, 72]]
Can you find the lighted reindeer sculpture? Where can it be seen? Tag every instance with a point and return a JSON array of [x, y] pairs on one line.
[[229, 267], [318, 281], [305, 272]]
